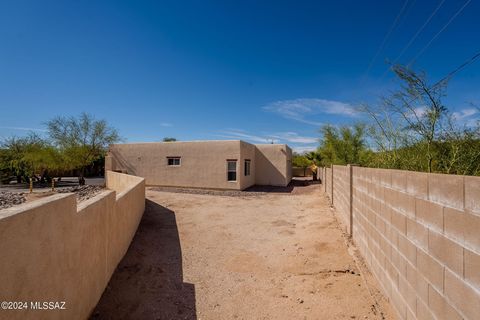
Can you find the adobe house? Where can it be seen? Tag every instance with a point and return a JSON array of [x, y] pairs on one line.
[[223, 164]]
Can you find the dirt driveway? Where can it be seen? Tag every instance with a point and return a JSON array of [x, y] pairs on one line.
[[265, 256]]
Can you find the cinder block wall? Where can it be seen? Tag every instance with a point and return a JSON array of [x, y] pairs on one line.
[[420, 235], [341, 194], [328, 180]]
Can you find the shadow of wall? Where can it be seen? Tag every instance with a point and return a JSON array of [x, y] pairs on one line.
[[266, 173], [148, 282], [121, 163]]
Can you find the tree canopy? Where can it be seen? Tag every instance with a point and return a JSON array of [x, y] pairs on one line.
[[72, 143], [410, 129]]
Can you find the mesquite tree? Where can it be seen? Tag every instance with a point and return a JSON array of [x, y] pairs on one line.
[[82, 140]]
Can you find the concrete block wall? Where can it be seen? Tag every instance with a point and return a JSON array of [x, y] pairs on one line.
[[420, 236], [328, 183], [341, 194]]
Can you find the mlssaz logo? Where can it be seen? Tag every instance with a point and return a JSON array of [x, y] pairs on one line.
[[47, 305]]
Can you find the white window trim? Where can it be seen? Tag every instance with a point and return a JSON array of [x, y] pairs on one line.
[[236, 171], [174, 165], [249, 167]]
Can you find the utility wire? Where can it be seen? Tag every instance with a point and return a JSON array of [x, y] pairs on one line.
[[459, 68], [387, 36], [452, 73], [415, 35], [439, 32]]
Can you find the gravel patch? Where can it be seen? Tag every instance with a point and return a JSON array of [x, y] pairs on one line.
[[226, 193], [83, 192], [10, 199]]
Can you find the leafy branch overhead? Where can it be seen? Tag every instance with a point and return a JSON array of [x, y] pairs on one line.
[[410, 129]]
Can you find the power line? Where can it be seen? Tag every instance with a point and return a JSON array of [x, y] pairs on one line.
[[387, 36], [459, 68], [416, 35], [439, 32], [452, 73]]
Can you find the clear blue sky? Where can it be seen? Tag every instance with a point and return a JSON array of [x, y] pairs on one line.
[[222, 69]]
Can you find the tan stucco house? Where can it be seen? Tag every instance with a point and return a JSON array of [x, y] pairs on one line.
[[223, 164]]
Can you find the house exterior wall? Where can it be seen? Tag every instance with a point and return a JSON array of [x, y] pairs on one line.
[[247, 153], [203, 163], [273, 164]]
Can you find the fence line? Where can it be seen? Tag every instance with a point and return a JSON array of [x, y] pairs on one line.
[[419, 234]]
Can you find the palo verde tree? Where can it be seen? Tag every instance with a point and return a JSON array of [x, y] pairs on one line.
[[412, 129], [28, 157], [343, 145], [81, 140], [410, 122]]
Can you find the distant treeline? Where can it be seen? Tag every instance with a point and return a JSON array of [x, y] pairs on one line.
[[73, 145], [411, 129]]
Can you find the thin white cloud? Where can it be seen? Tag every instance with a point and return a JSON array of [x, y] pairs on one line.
[[243, 135], [24, 129], [301, 109], [294, 137], [279, 137], [464, 113], [166, 124], [303, 149]]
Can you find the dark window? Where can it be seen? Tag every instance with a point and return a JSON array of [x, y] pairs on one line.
[[232, 170], [173, 161], [247, 167]]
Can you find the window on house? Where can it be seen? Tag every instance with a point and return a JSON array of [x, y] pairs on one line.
[[173, 161], [232, 170], [247, 167]]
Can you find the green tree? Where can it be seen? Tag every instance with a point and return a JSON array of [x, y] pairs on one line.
[[343, 145], [301, 161], [169, 139], [314, 156], [28, 157], [408, 124], [81, 140]]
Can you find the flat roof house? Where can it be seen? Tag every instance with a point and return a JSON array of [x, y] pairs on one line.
[[231, 164]]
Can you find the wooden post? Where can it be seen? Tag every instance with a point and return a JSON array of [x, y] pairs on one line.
[[31, 185], [53, 184]]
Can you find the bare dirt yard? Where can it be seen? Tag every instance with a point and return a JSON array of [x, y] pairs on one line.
[[268, 256]]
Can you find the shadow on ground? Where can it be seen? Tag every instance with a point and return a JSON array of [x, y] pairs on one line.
[[296, 183], [148, 282]]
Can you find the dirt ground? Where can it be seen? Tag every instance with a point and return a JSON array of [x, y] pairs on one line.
[[271, 256]]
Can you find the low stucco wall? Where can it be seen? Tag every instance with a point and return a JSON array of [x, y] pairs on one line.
[[302, 172], [53, 251]]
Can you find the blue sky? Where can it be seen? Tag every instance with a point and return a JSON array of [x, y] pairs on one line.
[[252, 70]]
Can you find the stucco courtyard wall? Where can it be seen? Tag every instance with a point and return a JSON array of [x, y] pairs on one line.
[[420, 235], [53, 250], [302, 172]]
